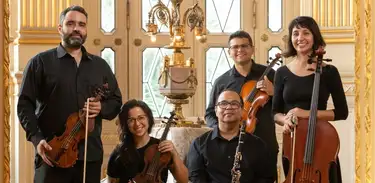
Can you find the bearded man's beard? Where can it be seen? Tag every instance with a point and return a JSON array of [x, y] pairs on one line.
[[74, 42]]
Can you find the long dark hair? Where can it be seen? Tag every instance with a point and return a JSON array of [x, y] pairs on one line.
[[126, 148], [308, 23]]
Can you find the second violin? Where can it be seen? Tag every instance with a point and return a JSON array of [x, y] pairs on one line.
[[155, 161], [254, 98]]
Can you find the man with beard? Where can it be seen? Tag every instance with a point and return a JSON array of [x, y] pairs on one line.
[[211, 155], [57, 83]]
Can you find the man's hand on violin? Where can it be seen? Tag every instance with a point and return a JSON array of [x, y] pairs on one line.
[[94, 107], [266, 86], [41, 148], [167, 146]]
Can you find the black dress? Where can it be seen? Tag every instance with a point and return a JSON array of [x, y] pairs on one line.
[[117, 169], [296, 91]]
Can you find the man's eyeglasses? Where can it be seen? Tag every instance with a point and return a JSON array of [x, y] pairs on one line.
[[225, 104], [237, 47], [140, 118]]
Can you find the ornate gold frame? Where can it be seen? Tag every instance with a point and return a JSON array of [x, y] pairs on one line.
[[363, 88], [6, 79]]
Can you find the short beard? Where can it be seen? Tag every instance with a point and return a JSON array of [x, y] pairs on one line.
[[72, 42]]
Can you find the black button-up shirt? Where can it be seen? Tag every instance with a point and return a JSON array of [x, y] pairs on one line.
[[54, 87], [211, 157], [232, 79]]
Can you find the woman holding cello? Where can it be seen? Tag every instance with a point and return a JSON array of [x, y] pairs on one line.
[[127, 160], [293, 101]]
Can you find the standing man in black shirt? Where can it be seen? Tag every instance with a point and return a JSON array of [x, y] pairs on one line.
[[57, 83], [245, 69], [211, 155]]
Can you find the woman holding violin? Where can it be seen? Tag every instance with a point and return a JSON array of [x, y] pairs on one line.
[[294, 100], [128, 159]]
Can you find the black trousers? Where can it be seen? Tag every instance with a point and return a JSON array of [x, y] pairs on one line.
[[46, 174]]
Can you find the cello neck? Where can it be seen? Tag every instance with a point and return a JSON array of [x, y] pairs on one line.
[[310, 140]]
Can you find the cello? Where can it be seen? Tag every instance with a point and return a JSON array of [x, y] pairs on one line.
[[155, 161], [313, 144], [254, 98], [64, 151]]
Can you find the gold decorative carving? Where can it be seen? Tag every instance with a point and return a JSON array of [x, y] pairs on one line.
[[53, 41], [118, 41], [41, 13], [368, 89], [357, 70], [264, 37], [39, 31], [6, 79], [339, 40], [338, 31], [137, 42], [96, 41], [285, 39]]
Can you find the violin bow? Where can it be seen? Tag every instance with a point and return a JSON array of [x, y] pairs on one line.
[[86, 134]]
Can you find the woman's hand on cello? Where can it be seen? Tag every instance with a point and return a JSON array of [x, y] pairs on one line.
[[94, 107], [290, 121], [167, 146], [300, 113], [266, 86]]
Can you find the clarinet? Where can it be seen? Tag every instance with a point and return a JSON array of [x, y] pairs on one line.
[[236, 173]]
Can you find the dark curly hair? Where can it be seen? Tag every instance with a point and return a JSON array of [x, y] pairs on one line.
[[308, 23], [126, 148]]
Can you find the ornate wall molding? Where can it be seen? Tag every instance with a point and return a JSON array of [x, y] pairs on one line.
[[335, 20], [39, 20], [6, 79], [363, 90]]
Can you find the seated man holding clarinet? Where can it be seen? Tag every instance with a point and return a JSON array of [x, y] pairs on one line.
[[227, 153]]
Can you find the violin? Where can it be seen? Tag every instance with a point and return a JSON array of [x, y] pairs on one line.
[[64, 151], [254, 98], [314, 144], [155, 161]]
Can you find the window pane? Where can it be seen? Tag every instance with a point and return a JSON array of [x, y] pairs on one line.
[[146, 7], [272, 55], [223, 15], [152, 63], [275, 15], [217, 63], [108, 15], [109, 55]]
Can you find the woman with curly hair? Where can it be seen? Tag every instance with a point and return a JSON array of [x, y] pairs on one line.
[[127, 159]]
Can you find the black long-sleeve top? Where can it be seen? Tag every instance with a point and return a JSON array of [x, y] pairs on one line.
[[292, 91], [54, 87], [211, 158], [232, 79]]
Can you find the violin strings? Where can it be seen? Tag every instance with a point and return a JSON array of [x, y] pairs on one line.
[[72, 134], [153, 163]]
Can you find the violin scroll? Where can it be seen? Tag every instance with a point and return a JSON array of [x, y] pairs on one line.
[[273, 61]]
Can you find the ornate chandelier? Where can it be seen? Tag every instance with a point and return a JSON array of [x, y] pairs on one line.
[[177, 79]]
